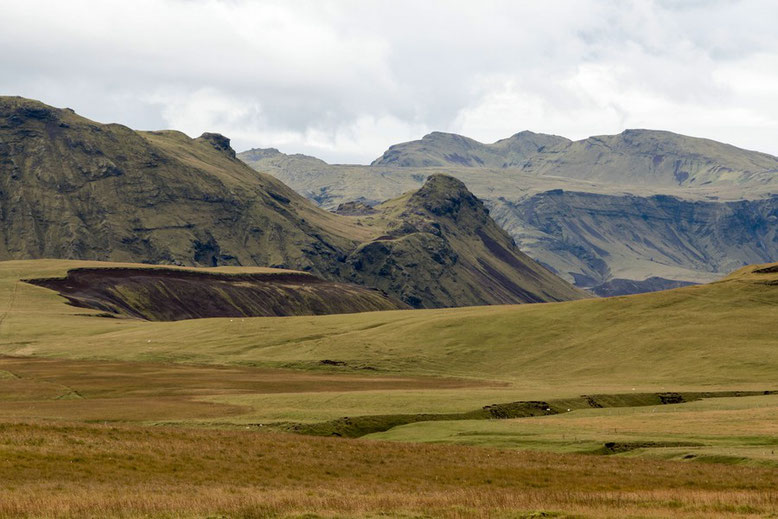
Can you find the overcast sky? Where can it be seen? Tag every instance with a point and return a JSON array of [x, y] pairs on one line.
[[343, 80]]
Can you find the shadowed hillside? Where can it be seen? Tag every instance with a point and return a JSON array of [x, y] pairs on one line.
[[172, 295]]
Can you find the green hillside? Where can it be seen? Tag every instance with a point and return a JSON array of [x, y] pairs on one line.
[[718, 335], [71, 188]]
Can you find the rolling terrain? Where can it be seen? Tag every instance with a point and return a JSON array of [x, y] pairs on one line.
[[72, 188], [639, 211], [716, 334], [650, 405], [203, 385]]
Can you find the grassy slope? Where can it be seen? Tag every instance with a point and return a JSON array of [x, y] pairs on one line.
[[74, 188], [715, 335]]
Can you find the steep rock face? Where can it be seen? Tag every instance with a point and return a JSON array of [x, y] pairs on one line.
[[590, 237], [72, 188], [447, 231]]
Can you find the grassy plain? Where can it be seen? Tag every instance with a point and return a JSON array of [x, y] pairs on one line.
[[78, 470], [727, 430], [88, 407]]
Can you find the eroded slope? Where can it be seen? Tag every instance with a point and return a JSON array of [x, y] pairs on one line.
[[174, 294]]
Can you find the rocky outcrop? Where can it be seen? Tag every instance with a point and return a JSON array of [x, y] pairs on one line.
[[588, 237], [219, 142]]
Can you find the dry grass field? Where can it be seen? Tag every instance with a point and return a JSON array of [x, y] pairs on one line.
[[130, 418], [77, 470]]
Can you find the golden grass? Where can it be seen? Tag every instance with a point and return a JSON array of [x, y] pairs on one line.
[[100, 471], [703, 338], [149, 392]]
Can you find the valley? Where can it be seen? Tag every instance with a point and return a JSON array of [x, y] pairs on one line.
[[219, 335], [388, 260]]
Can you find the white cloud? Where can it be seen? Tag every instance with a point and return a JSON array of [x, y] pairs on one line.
[[345, 79]]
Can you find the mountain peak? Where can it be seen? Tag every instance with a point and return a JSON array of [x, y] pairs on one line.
[[218, 141], [443, 195], [440, 183]]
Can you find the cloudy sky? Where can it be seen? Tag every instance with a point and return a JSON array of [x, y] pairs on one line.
[[343, 80]]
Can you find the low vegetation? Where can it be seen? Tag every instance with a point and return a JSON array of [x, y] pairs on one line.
[[78, 470], [131, 418]]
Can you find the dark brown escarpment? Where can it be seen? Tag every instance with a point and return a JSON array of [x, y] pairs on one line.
[[172, 294]]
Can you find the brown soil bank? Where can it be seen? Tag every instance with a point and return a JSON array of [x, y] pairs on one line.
[[173, 295]]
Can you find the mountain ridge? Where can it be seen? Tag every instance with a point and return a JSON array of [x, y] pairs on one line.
[[72, 188], [672, 157], [599, 181]]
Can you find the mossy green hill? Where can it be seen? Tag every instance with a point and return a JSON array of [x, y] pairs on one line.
[[72, 188]]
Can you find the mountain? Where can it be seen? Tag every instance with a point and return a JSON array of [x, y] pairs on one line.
[[448, 149], [633, 157], [72, 188], [462, 252], [657, 158], [635, 206], [76, 189]]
